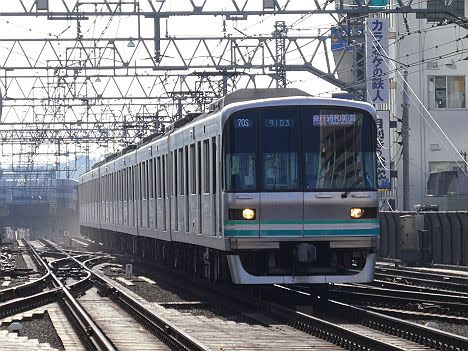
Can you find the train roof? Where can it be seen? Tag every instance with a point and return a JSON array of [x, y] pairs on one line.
[[243, 95], [239, 99]]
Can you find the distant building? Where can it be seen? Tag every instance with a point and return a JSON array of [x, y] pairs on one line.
[[38, 202]]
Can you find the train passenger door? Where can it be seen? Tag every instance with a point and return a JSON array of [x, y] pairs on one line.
[[281, 199]]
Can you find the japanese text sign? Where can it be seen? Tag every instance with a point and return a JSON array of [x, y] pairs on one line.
[[377, 61]]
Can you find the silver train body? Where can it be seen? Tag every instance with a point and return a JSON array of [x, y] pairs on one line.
[[267, 186]]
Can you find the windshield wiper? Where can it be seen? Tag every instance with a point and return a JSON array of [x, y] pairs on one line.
[[355, 184]]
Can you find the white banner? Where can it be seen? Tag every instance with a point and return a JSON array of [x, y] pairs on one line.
[[377, 61], [383, 150]]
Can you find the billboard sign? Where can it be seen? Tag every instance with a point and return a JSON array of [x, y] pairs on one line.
[[378, 83], [383, 150]]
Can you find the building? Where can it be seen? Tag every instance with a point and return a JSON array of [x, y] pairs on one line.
[[435, 51]]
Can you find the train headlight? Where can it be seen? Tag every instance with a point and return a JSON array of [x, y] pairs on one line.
[[248, 213], [356, 213]]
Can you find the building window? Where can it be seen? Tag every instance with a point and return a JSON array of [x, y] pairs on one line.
[[446, 92], [442, 166], [457, 7]]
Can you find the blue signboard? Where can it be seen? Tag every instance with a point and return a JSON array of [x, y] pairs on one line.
[[378, 3], [339, 37]]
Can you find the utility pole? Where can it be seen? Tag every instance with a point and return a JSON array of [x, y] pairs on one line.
[[405, 136], [280, 34]]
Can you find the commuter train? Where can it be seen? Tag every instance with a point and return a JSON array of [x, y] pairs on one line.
[[270, 186]]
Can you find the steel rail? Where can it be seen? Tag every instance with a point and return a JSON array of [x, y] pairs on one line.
[[23, 304], [446, 277], [451, 301], [414, 332], [170, 334], [434, 338], [400, 293], [25, 289], [405, 284], [314, 326], [88, 327], [423, 282]]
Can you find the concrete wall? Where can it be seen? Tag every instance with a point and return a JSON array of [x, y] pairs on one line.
[[442, 240]]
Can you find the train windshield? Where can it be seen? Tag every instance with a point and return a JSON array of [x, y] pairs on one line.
[[280, 149], [299, 149], [339, 148], [240, 150]]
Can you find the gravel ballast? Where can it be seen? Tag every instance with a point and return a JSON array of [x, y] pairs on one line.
[[41, 329]]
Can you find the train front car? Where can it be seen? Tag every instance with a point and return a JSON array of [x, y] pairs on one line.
[[300, 191]]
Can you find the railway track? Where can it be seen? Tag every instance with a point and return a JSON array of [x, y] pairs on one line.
[[413, 300], [262, 335], [278, 324], [356, 316], [100, 323], [446, 281], [367, 330]]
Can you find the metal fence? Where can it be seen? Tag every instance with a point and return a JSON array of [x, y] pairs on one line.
[[441, 237]]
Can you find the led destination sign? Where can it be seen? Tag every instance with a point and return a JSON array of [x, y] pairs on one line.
[[279, 123], [334, 120]]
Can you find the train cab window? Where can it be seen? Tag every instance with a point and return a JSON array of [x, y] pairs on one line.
[[339, 149], [280, 149], [240, 152]]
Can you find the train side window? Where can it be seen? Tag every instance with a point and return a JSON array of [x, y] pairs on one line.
[[159, 176], [142, 181], [213, 162], [193, 171], [175, 173], [199, 154], [206, 163], [186, 204], [145, 178], [186, 178], [180, 166], [163, 172], [151, 179], [126, 184]]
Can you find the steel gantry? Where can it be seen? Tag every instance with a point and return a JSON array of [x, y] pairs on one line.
[[78, 74]]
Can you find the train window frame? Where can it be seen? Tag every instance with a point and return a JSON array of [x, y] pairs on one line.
[[174, 160], [180, 166], [331, 107], [193, 171], [206, 167], [213, 164], [147, 183], [151, 178], [302, 166], [225, 131], [159, 180], [261, 154]]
